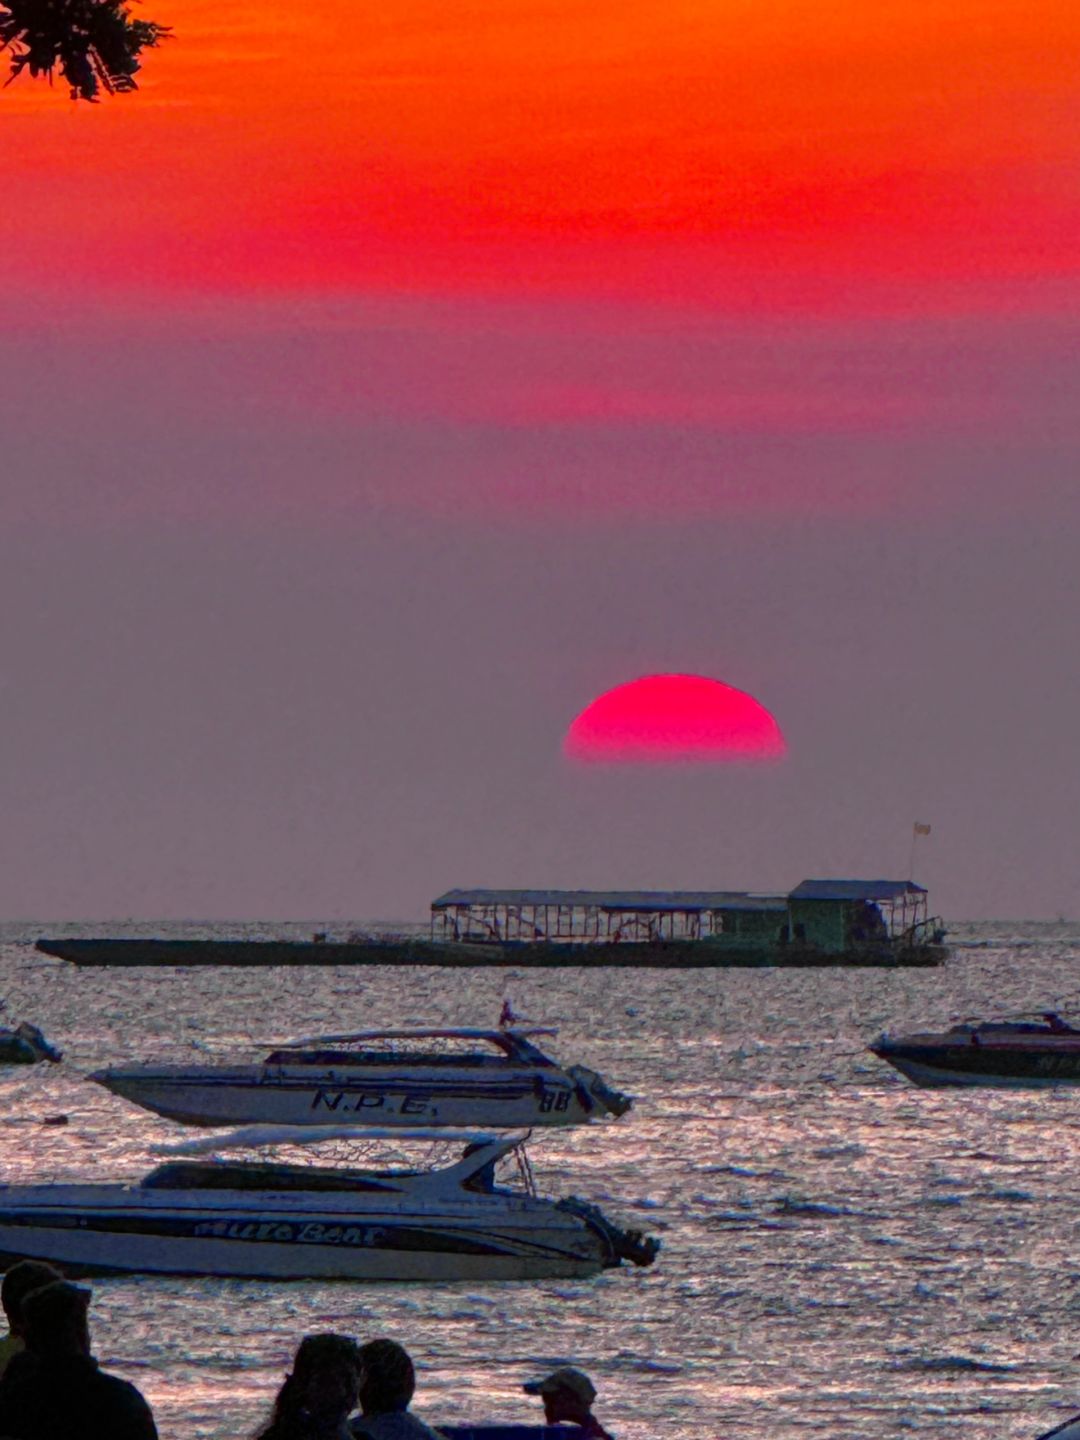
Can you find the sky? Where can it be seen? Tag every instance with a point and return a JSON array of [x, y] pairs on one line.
[[378, 389]]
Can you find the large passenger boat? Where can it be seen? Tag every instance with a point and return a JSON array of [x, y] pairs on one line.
[[496, 1078], [294, 1221], [820, 922], [1015, 1054]]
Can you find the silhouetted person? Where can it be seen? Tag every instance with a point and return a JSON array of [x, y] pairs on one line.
[[63, 1393], [387, 1387], [1056, 1024], [568, 1395], [868, 923], [319, 1391], [27, 1275]]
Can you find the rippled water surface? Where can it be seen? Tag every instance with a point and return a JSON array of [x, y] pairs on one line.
[[843, 1254]]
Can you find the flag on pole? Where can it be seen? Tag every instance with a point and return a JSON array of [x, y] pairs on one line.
[[921, 829]]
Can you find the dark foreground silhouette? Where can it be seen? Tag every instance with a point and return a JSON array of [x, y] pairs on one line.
[[53, 1388], [319, 1393], [96, 45]]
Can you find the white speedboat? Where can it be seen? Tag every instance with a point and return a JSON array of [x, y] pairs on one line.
[[301, 1221], [486, 1078]]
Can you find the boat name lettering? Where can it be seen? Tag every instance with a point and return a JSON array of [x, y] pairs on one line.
[[312, 1233], [338, 1100], [315, 1233], [246, 1230], [1056, 1065]]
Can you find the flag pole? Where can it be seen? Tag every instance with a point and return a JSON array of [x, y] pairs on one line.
[[917, 829]]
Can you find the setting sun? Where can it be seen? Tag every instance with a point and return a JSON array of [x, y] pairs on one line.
[[663, 718]]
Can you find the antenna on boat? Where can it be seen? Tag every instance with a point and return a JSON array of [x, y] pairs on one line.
[[524, 1165], [509, 1018]]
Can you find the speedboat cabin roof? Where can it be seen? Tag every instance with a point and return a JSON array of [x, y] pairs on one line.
[[514, 1043], [504, 1038], [471, 1170]]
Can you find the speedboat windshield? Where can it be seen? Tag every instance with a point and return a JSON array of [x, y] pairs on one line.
[[257, 1137], [384, 1155]]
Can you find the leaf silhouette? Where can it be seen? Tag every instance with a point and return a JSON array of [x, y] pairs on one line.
[[95, 44]]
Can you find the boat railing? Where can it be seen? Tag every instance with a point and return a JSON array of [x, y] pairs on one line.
[[377, 1153], [930, 931], [342, 1055], [502, 1038]]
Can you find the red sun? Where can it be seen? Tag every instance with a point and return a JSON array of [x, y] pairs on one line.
[[663, 718]]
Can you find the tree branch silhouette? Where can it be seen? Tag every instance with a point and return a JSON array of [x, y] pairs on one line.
[[95, 44]]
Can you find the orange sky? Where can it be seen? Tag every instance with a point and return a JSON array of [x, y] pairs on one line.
[[721, 152], [501, 351]]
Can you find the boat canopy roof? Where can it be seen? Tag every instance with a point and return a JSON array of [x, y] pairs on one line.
[[645, 901], [482, 1150], [257, 1137], [663, 901], [855, 890], [507, 1037]]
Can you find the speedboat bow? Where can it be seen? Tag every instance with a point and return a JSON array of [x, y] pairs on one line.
[[1067, 1430], [1014, 1054], [302, 1221], [486, 1078]]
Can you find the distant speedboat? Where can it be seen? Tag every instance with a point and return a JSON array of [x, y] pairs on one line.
[[25, 1045], [293, 1222], [1016, 1054], [494, 1078]]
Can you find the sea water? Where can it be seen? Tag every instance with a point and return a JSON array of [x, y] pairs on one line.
[[843, 1254]]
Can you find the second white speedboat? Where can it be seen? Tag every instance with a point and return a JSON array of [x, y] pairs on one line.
[[293, 1221], [455, 1077]]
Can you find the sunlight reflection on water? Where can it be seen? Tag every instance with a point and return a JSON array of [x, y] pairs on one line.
[[843, 1253]]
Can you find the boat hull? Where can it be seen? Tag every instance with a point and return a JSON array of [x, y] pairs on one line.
[[1039, 1065], [675, 955], [515, 1098], [114, 1230]]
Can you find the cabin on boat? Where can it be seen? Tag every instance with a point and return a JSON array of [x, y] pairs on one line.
[[603, 916], [832, 916], [839, 915]]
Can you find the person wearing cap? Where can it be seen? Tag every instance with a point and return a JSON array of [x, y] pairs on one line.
[[386, 1389], [27, 1275], [568, 1395], [63, 1393]]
